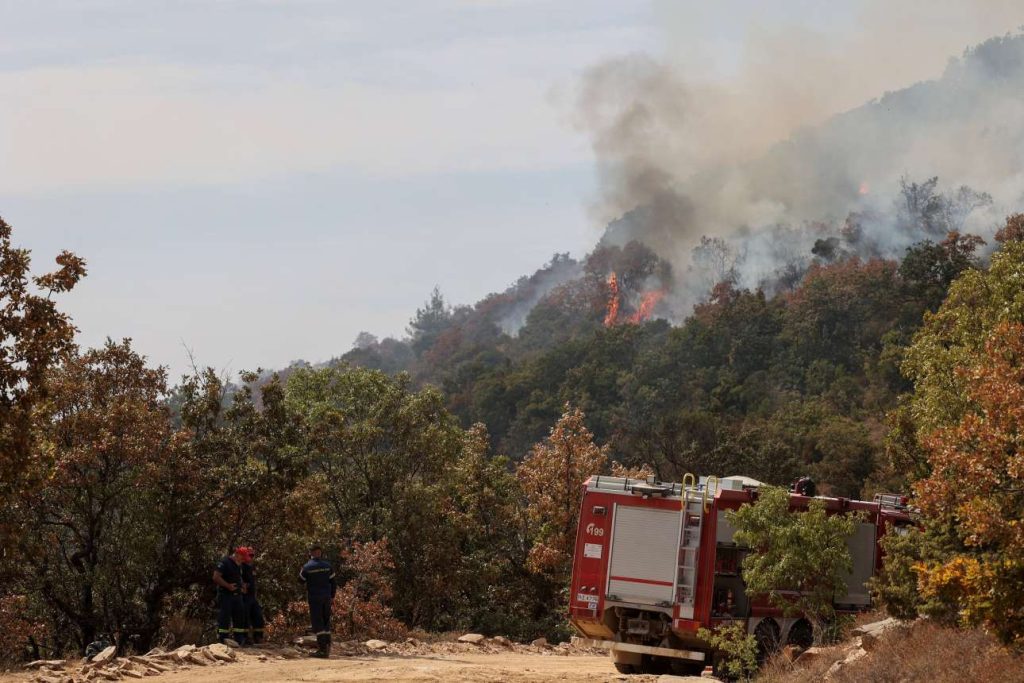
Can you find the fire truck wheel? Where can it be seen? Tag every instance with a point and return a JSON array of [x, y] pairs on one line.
[[801, 634], [625, 668], [653, 665], [767, 633]]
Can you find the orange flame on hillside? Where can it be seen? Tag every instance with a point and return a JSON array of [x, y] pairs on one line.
[[647, 303], [644, 310], [612, 316]]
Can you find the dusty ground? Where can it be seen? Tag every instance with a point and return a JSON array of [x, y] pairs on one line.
[[489, 661], [478, 667], [439, 667]]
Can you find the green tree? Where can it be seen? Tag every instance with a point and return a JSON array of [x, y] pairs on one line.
[[495, 591], [955, 335], [429, 322], [238, 475], [34, 333], [950, 435], [930, 268], [104, 430], [976, 487], [798, 559], [840, 311], [380, 454]]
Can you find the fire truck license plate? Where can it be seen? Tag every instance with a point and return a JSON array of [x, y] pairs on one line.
[[583, 597]]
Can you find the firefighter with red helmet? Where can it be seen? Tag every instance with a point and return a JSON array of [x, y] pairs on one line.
[[230, 614], [251, 608]]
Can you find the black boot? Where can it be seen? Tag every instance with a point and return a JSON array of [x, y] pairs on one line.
[[323, 646]]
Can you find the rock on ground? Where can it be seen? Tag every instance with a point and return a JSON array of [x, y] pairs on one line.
[[875, 628]]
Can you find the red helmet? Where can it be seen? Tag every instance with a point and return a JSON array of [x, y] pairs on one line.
[[245, 551]]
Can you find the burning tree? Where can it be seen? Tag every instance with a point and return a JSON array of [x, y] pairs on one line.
[[646, 301], [612, 316]]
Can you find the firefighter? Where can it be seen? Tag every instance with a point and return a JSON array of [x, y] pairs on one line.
[[230, 614], [318, 575], [250, 602], [804, 486]]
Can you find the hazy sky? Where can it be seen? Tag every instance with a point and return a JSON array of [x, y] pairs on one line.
[[260, 180]]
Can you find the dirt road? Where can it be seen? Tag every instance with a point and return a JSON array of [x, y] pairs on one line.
[[440, 667], [485, 661], [476, 667]]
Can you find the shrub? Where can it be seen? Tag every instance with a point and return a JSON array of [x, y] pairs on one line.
[[737, 648], [360, 606], [18, 631]]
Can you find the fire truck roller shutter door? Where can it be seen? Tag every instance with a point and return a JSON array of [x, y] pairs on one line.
[[862, 548], [643, 561], [724, 529]]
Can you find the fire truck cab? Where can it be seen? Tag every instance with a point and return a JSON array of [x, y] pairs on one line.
[[655, 561]]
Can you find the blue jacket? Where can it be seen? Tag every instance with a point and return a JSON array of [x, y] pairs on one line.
[[230, 572], [318, 575]]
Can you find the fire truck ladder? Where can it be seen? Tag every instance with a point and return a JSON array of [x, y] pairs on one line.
[[695, 503]]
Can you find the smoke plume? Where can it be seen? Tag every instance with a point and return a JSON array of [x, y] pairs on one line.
[[764, 169]]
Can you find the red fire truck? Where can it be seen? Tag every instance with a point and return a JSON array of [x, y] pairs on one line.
[[656, 561]]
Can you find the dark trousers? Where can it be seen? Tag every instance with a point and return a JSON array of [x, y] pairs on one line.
[[230, 617], [253, 617], [320, 615]]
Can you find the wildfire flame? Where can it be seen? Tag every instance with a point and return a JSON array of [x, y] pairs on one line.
[[644, 310], [648, 301], [864, 188], [612, 316]]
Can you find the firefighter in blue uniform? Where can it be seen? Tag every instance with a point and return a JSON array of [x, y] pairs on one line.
[[250, 602], [318, 575], [230, 614]]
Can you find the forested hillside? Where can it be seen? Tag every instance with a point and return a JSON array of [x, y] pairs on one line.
[[769, 350], [767, 385]]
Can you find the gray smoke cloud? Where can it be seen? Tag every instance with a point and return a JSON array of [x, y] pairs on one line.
[[515, 304], [758, 165]]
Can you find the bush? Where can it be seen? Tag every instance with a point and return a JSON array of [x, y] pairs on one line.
[[18, 631], [359, 609], [737, 648]]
